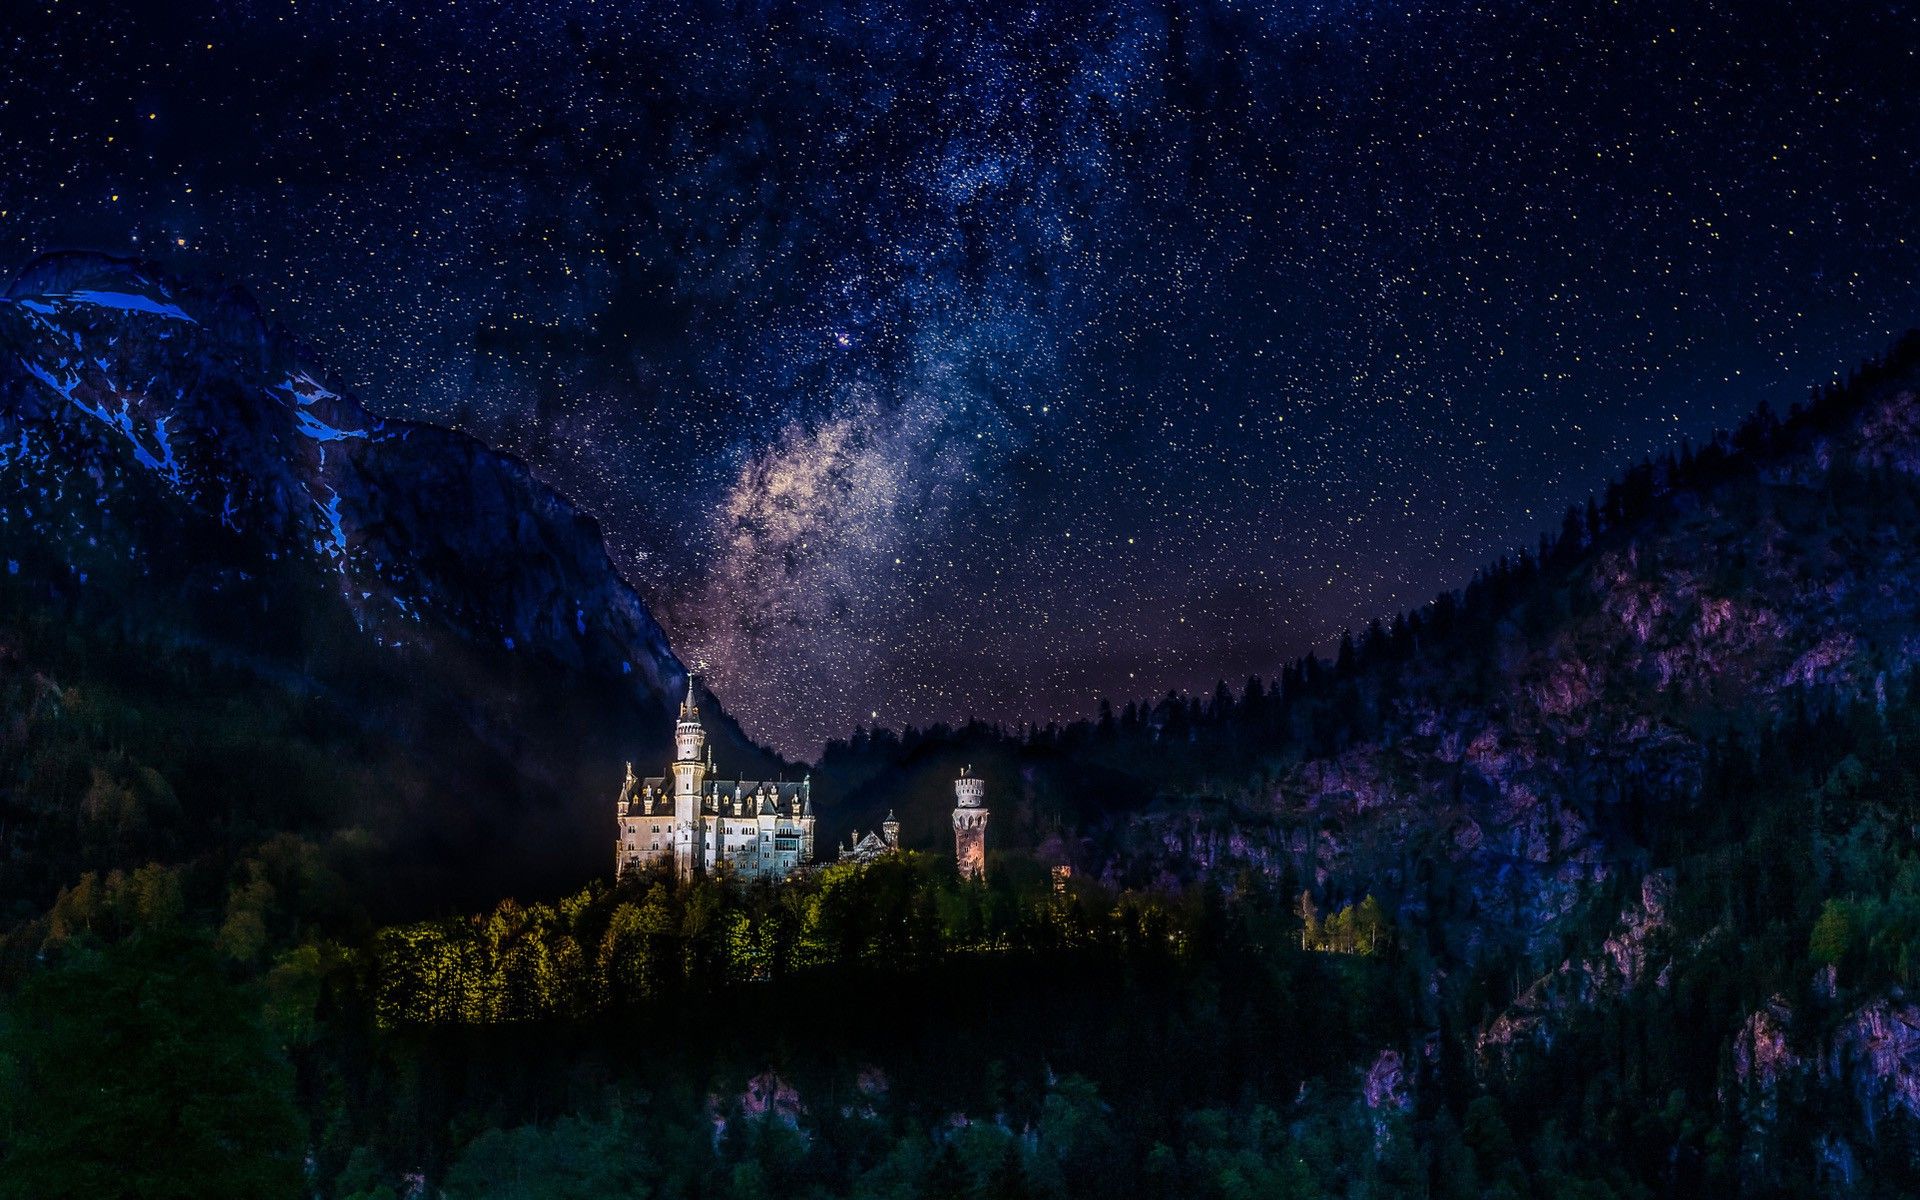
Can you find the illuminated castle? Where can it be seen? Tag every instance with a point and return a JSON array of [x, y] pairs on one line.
[[740, 826], [874, 846], [970, 824]]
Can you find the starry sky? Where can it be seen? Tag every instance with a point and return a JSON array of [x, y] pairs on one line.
[[931, 360]]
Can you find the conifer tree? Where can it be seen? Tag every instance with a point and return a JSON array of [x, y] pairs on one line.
[[1009, 1178], [946, 1176]]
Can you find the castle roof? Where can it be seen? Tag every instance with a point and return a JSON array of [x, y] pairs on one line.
[[758, 797], [866, 849]]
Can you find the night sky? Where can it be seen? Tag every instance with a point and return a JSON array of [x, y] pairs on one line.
[[924, 361]]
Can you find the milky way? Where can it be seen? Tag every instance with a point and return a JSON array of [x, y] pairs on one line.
[[927, 361]]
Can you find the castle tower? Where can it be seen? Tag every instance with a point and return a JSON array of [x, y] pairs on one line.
[[970, 824], [890, 831], [689, 773], [806, 818]]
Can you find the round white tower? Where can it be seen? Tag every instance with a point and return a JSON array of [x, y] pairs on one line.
[[970, 824], [689, 773], [689, 739]]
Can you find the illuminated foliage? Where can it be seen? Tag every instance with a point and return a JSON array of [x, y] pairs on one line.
[[651, 941]]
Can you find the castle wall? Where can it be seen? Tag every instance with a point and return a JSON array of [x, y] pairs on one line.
[[764, 844], [970, 842]]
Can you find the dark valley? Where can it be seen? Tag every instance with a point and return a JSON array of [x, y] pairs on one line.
[[1595, 878]]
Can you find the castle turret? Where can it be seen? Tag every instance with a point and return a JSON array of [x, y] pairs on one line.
[[890, 831], [804, 809], [970, 824], [627, 790], [690, 766], [689, 739]]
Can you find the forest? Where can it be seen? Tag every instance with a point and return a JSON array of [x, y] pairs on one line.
[[889, 1031], [216, 979]]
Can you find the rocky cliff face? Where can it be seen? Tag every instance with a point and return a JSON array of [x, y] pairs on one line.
[[130, 404], [1868, 1053], [177, 473], [1636, 954]]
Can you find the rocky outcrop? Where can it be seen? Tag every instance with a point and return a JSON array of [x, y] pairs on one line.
[[164, 433], [1762, 1056], [1636, 954], [1875, 1054], [1386, 1085], [1869, 1054]]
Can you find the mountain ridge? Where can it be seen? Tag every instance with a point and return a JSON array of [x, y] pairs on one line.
[[323, 436], [177, 469]]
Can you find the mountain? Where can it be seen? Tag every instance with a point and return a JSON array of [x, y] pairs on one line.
[[1647, 794], [182, 480]]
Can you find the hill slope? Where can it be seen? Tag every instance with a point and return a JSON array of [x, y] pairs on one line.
[[1648, 795], [183, 489]]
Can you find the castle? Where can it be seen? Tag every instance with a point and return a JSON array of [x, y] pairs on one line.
[[755, 828], [874, 845], [745, 827]]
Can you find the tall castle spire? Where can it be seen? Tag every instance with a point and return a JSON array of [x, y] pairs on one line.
[[688, 736], [691, 763]]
